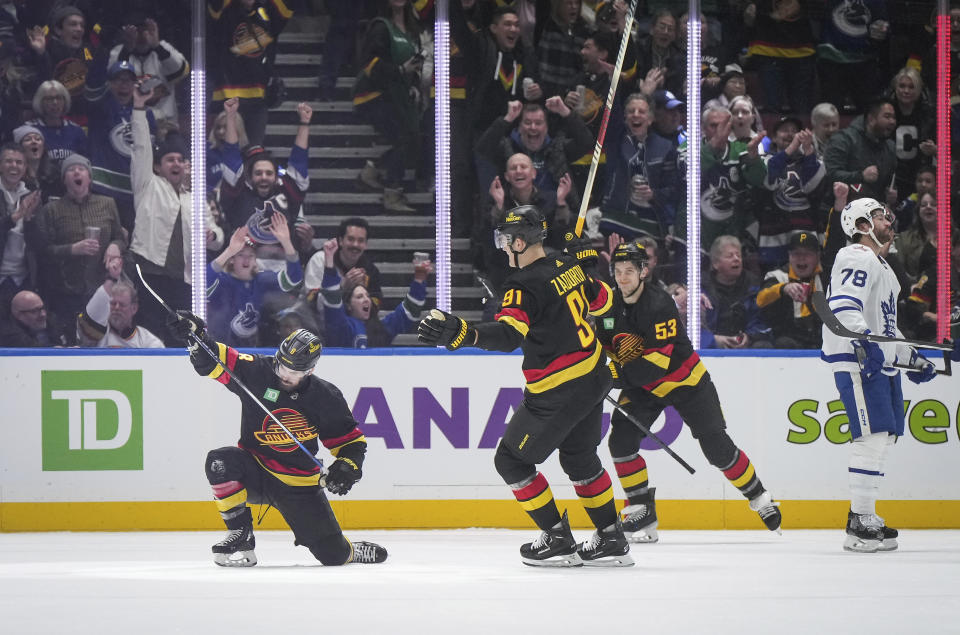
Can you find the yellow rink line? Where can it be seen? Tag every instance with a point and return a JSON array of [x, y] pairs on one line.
[[452, 514]]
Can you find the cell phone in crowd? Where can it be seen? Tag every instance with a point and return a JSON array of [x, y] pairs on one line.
[[149, 84], [420, 257]]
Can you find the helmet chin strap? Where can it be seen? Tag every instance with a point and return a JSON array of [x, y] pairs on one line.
[[516, 254], [872, 235]]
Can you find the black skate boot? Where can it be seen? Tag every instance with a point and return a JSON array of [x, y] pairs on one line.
[[640, 520], [608, 547], [864, 533], [889, 542], [367, 552], [236, 549], [768, 509], [554, 548]]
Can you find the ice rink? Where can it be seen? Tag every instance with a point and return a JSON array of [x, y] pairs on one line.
[[472, 581]]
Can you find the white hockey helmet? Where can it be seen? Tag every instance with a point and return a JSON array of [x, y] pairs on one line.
[[854, 211]]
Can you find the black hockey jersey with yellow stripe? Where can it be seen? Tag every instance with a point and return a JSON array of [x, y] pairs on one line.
[[649, 341], [545, 311], [316, 413]]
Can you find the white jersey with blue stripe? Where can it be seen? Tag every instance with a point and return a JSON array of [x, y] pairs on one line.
[[863, 295]]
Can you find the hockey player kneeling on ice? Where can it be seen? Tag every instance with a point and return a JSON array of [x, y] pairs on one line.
[[656, 366], [267, 466], [545, 311], [863, 295]]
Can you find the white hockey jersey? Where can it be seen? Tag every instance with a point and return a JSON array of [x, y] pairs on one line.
[[863, 295]]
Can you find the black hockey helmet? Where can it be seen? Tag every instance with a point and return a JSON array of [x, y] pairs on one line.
[[632, 251], [524, 222], [299, 351]]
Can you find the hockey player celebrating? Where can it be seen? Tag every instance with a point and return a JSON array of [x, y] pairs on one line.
[[545, 311], [656, 366], [267, 466], [863, 295]]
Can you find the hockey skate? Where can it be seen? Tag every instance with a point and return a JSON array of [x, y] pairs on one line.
[[554, 548], [640, 520], [236, 549], [864, 533], [608, 547], [890, 535], [367, 552], [768, 509]]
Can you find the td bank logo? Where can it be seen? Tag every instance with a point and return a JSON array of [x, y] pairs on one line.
[[92, 419]]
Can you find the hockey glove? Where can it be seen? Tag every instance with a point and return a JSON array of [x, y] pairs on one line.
[[444, 329], [342, 475], [869, 356], [185, 324], [582, 249], [925, 368], [617, 373]]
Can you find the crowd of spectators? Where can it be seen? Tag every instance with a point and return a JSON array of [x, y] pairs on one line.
[[95, 174], [806, 106]]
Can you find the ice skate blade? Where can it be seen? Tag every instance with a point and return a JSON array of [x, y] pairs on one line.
[[626, 560], [238, 559], [642, 536], [859, 545], [888, 544], [568, 560]]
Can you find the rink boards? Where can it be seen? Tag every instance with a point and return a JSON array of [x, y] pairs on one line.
[[118, 441]]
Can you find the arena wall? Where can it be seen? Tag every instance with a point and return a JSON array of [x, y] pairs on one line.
[[117, 441]]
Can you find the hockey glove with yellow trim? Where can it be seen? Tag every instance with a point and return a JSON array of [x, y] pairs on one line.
[[342, 475], [445, 329], [581, 248], [617, 374]]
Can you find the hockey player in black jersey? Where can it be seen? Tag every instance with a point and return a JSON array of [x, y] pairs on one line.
[[267, 466], [545, 310], [656, 366]]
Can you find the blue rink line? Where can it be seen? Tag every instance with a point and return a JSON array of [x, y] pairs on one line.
[[367, 352]]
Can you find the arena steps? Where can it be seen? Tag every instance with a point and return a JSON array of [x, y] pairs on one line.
[[340, 144]]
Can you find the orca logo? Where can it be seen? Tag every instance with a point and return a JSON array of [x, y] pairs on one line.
[[92, 420]]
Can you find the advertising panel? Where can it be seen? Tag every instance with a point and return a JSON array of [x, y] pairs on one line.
[[135, 429]]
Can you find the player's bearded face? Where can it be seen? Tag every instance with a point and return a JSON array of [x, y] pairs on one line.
[[290, 379]]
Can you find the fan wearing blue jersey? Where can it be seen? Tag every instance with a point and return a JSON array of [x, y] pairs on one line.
[[863, 295]]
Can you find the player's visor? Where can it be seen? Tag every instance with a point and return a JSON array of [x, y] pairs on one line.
[[882, 213], [501, 240], [290, 376]]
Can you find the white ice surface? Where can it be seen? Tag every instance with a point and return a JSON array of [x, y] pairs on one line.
[[472, 581]]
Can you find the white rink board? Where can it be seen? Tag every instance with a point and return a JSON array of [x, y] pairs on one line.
[[438, 456]]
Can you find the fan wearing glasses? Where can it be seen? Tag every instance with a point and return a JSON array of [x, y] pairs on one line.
[[29, 325]]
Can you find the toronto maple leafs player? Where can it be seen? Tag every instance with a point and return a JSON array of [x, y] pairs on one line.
[[863, 295]]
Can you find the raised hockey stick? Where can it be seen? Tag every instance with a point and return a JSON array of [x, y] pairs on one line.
[[819, 301], [608, 106], [235, 379], [647, 432]]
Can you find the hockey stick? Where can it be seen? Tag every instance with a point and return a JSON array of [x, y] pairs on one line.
[[649, 434], [235, 379], [819, 301], [601, 135]]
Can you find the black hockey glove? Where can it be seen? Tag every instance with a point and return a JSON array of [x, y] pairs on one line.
[[445, 329], [342, 475], [183, 325], [581, 248], [617, 373]]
